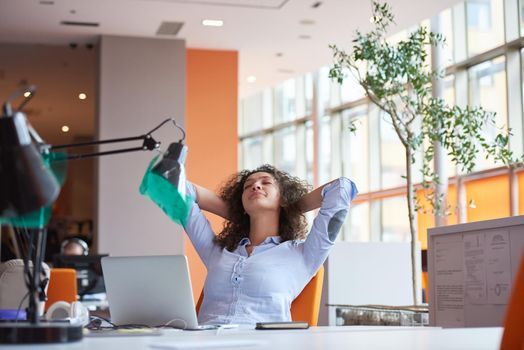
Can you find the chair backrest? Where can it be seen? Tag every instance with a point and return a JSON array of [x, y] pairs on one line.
[[306, 306], [62, 286], [12, 285], [513, 337]]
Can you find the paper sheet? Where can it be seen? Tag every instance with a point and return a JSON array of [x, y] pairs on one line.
[[449, 281], [475, 268], [498, 267]]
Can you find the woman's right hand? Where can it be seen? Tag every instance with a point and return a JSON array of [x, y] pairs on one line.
[[209, 201]]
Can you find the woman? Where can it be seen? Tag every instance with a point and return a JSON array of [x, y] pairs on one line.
[[260, 261]]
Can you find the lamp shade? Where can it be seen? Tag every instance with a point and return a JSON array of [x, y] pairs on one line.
[[26, 183], [171, 166], [165, 183]]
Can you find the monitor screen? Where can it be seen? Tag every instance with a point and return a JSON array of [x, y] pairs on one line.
[[90, 279]]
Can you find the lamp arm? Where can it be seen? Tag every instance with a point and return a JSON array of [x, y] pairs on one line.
[[149, 143]]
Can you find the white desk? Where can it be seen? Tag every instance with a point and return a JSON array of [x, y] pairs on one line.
[[348, 337]]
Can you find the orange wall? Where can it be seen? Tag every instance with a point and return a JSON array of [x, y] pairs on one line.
[[485, 199], [521, 193], [212, 136], [490, 197]]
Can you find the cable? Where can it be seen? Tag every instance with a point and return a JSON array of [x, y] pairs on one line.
[[20, 306], [167, 324]]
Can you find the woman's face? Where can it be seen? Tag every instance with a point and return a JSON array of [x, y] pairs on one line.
[[261, 192]]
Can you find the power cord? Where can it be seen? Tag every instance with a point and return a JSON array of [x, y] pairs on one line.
[[20, 306]]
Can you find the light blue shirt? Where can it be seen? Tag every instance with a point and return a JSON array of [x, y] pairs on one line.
[[244, 289]]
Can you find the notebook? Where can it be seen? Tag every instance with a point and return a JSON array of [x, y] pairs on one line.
[[150, 290]]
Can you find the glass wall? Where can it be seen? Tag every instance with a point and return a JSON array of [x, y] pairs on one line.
[[310, 138]]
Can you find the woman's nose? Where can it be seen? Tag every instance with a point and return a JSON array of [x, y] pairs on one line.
[[256, 187]]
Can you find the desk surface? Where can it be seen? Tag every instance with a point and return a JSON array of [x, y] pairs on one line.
[[348, 337]]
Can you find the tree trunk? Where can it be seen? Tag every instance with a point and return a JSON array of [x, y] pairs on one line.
[[412, 229]]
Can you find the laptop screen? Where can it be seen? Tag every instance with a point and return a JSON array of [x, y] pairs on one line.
[[150, 290]]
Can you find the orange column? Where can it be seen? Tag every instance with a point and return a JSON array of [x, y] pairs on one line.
[[212, 136]]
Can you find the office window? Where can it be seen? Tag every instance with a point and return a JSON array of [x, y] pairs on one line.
[[487, 88], [522, 76], [350, 90], [356, 226], [485, 25], [395, 223], [355, 148], [324, 88], [449, 98], [252, 113], [256, 112], [446, 29], [285, 150], [308, 93], [253, 152], [392, 155], [521, 17], [285, 101], [310, 142], [324, 160], [374, 157]]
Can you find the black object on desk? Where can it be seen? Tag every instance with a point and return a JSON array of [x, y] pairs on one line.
[[89, 276], [282, 325]]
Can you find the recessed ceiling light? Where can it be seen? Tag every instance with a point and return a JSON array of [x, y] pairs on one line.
[[65, 128], [304, 36], [251, 79], [279, 54], [316, 4], [27, 94], [82, 96], [213, 22]]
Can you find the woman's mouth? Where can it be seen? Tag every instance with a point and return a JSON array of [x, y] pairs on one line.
[[256, 194]]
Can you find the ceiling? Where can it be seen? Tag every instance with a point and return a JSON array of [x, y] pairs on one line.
[[276, 39]]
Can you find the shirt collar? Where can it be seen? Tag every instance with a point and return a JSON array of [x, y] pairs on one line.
[[244, 241], [271, 239], [274, 239]]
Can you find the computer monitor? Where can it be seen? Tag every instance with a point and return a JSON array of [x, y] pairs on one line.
[[90, 279]]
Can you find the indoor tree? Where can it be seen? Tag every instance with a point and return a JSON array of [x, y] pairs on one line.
[[397, 78]]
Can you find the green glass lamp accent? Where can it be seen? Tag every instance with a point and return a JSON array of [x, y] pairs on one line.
[[165, 183], [56, 163]]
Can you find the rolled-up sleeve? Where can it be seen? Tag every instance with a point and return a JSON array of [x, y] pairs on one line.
[[336, 199], [199, 229]]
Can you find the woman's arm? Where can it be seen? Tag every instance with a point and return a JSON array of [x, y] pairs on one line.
[[337, 196], [312, 200], [209, 201]]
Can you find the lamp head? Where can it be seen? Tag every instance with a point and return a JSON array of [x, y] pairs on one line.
[[26, 183], [171, 166]]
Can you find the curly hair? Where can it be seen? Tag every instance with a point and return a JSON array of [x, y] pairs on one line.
[[292, 222]]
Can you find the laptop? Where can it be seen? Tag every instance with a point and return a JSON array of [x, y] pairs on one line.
[[150, 290]]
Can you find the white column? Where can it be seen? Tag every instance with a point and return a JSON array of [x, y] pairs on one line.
[[141, 82], [439, 160]]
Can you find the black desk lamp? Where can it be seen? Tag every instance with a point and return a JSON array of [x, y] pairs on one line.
[[27, 185]]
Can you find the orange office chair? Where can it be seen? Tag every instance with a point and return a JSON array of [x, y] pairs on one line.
[[306, 306], [513, 337], [62, 286]]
